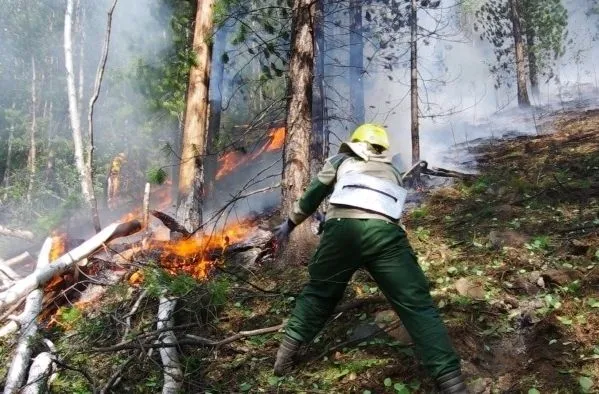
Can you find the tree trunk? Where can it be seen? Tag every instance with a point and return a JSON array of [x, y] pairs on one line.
[[415, 129], [356, 63], [296, 164], [533, 70], [523, 99], [216, 103], [32, 148], [317, 155], [296, 156], [193, 141], [8, 166], [82, 168]]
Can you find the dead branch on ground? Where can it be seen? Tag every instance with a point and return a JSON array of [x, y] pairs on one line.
[[22, 356], [16, 233], [42, 275]]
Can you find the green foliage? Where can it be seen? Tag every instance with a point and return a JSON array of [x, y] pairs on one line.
[[539, 243], [544, 26], [585, 384], [70, 382], [157, 175], [157, 280], [218, 289]]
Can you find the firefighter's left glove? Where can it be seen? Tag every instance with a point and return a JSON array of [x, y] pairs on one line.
[[283, 230]]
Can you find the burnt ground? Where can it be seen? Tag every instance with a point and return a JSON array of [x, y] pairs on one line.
[[512, 259]]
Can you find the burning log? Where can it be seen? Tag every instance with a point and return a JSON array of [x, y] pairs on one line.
[[173, 375], [16, 233], [33, 306], [42, 275], [171, 223]]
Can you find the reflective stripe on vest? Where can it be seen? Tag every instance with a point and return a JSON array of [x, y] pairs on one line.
[[369, 193]]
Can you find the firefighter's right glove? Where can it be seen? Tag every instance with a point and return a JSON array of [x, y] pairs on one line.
[[283, 230]]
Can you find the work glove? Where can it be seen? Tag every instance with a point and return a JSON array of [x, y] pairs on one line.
[[283, 230]]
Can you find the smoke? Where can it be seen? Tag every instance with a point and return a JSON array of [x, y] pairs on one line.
[[459, 104]]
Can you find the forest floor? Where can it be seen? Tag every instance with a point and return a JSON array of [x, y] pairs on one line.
[[512, 259]]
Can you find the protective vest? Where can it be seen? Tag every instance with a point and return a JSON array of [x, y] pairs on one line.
[[369, 193]]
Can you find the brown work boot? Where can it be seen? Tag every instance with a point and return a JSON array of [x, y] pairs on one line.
[[452, 383], [285, 356]]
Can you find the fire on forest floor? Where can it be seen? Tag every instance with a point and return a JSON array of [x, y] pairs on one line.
[[524, 235]]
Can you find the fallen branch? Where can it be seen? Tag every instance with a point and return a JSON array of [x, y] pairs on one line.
[[196, 340], [352, 341], [173, 374], [132, 312], [10, 232], [236, 337], [171, 223], [40, 371], [115, 377], [42, 275], [17, 259], [33, 306], [9, 272]]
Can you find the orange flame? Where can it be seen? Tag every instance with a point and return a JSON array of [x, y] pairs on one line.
[[231, 160], [59, 245], [192, 255]]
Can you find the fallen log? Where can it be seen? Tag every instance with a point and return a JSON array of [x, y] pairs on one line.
[[42, 275], [16, 233], [171, 223], [28, 320], [40, 371], [8, 272], [17, 259], [173, 374]]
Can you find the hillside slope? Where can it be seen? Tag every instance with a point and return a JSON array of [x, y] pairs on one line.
[[512, 259]]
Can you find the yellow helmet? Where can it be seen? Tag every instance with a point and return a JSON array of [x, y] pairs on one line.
[[371, 133]]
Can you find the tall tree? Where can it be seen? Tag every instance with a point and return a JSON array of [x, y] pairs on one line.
[[83, 168], [356, 62], [219, 58], [415, 129], [32, 148], [528, 35], [317, 149], [514, 11], [296, 157], [193, 141], [296, 161]]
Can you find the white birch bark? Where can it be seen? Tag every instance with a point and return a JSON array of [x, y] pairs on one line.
[[173, 375]]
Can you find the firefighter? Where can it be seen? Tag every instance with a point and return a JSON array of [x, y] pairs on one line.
[[362, 229], [113, 183]]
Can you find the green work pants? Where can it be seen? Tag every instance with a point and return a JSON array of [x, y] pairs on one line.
[[383, 249]]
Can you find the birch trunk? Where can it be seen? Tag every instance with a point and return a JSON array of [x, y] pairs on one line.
[[32, 147], [33, 305], [193, 141], [173, 375], [523, 100], [40, 371], [83, 169]]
